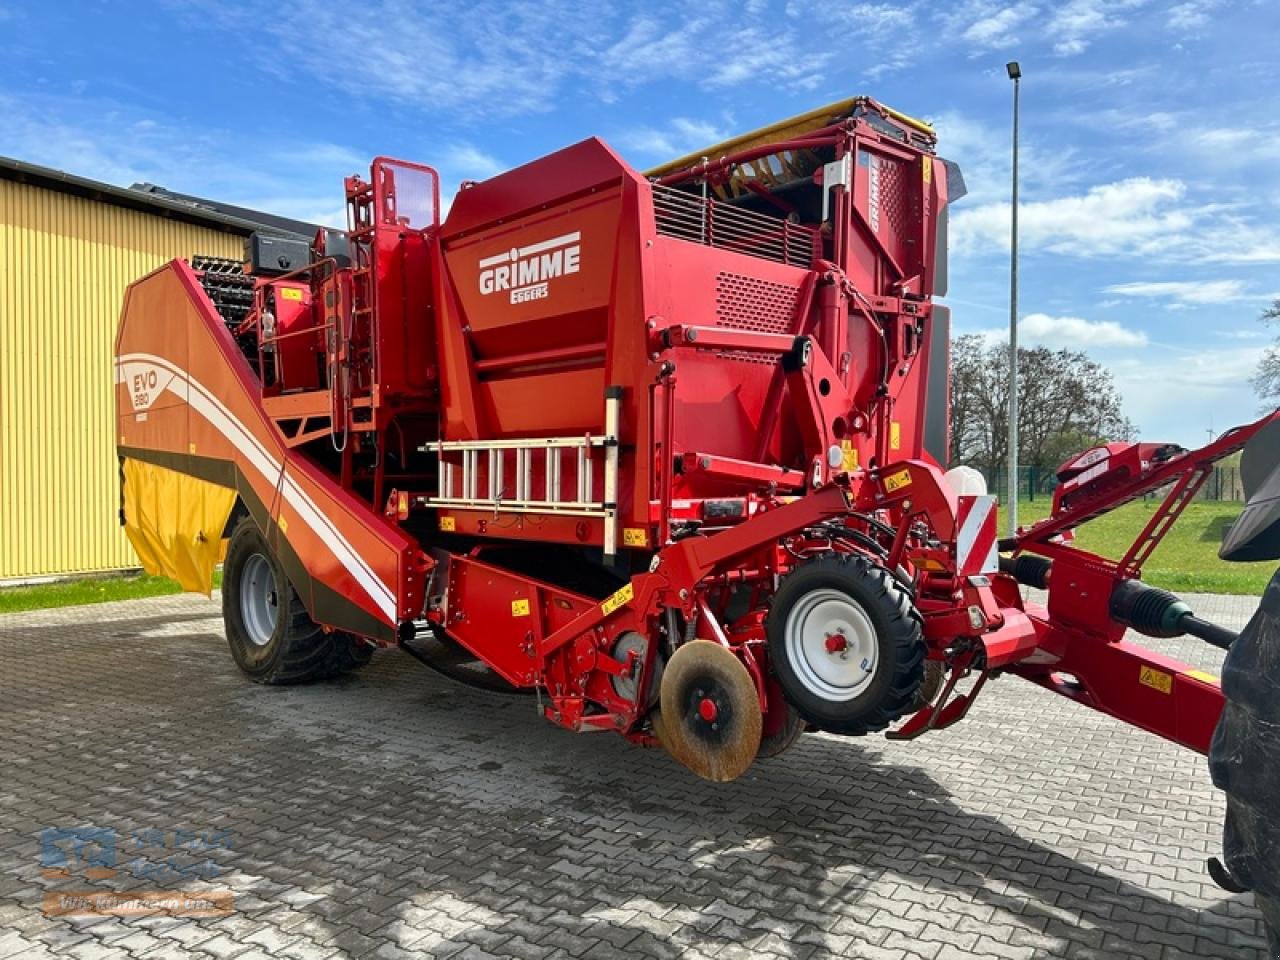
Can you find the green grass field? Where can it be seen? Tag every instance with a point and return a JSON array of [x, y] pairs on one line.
[[69, 593], [1187, 558]]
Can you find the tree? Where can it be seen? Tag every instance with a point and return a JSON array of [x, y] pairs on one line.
[[1267, 380], [1066, 403]]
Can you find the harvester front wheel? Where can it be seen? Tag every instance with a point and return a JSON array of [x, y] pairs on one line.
[[845, 643], [271, 636]]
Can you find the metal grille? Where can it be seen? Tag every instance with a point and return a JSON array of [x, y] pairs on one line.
[[893, 195], [227, 285], [407, 193], [748, 303], [715, 224]]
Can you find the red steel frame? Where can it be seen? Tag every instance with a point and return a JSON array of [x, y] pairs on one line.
[[824, 451]]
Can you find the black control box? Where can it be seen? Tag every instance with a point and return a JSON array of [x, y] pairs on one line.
[[268, 255]]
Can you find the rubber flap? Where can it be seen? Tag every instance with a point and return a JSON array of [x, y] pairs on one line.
[[175, 522]]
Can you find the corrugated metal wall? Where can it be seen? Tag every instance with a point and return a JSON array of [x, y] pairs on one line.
[[64, 264]]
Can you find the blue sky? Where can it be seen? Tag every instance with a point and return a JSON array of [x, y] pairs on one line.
[[1151, 145]]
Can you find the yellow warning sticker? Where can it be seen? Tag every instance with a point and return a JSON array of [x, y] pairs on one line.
[[1156, 679], [848, 457], [1204, 677], [895, 435], [619, 599], [448, 524], [291, 293], [519, 608], [191, 448], [635, 537], [927, 169], [282, 523], [896, 481]]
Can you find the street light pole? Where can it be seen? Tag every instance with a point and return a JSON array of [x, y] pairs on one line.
[[1015, 74]]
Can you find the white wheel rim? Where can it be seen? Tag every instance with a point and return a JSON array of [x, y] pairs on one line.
[[831, 645], [259, 601]]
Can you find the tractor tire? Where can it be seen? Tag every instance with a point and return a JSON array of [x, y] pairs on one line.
[[1244, 759], [845, 644], [272, 637], [348, 652]]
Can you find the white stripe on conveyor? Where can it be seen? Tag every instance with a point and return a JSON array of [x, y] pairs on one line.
[[212, 409]]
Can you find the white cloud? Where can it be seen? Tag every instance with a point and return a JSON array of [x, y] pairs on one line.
[[1192, 14], [991, 26], [1077, 333], [679, 136], [482, 57], [1076, 22], [1254, 250], [1178, 395], [469, 162], [108, 142], [1258, 334], [488, 58], [1184, 291], [1136, 217], [1127, 216], [888, 33], [983, 154]]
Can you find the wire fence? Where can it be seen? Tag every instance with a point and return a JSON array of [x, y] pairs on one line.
[[1035, 483]]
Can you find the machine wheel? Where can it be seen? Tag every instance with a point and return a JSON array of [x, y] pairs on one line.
[[935, 675], [1244, 760], [710, 712], [347, 652], [846, 645], [780, 733], [272, 638]]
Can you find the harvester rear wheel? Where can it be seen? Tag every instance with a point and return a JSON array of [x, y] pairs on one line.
[[710, 716], [846, 645], [271, 636]]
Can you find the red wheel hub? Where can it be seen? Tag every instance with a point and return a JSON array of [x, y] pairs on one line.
[[836, 643], [707, 710]]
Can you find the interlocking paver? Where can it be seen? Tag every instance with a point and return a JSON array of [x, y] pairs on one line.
[[394, 814]]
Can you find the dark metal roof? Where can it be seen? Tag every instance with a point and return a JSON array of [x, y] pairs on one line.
[[157, 201], [281, 224]]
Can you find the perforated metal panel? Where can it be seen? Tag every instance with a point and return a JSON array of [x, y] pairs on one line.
[[893, 195], [748, 303]]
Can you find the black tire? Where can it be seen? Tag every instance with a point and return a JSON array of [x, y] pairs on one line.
[[775, 742], [297, 649], [892, 642], [348, 653], [1244, 759]]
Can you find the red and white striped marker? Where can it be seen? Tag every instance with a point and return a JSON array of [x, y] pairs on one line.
[[976, 536]]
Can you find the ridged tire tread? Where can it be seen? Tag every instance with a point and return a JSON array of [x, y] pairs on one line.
[[899, 630], [299, 650]]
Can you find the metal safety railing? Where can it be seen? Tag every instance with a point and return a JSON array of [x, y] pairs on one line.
[[459, 485], [714, 223]]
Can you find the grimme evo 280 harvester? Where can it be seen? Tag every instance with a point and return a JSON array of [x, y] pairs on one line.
[[664, 448]]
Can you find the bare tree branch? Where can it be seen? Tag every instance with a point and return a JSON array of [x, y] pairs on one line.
[[1067, 403]]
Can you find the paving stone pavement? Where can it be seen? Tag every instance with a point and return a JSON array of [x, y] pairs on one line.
[[395, 814]]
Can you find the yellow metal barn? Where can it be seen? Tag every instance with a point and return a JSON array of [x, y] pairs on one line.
[[68, 249]]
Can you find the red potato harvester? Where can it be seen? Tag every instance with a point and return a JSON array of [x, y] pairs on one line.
[[663, 448]]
